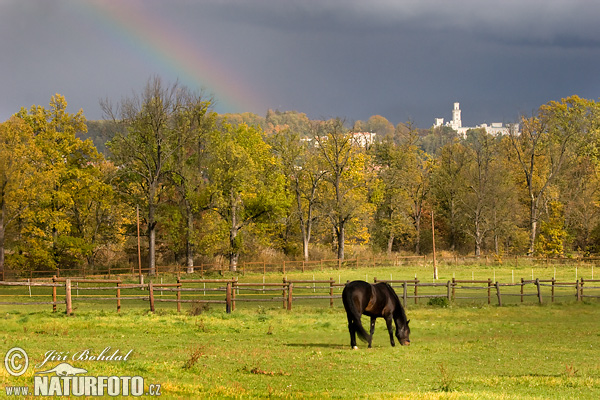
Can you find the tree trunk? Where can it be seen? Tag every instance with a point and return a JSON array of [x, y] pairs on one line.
[[390, 243], [418, 238], [2, 213], [189, 235], [151, 235], [341, 233], [234, 253], [532, 225]]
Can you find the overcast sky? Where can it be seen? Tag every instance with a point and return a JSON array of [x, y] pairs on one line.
[[402, 59]]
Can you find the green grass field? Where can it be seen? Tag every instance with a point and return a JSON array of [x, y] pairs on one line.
[[467, 350]]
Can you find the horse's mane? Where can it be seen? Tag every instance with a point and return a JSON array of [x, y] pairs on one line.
[[398, 309]]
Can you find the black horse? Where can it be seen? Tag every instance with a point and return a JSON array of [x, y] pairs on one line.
[[378, 300]]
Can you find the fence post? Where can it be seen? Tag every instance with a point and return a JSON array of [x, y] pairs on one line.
[[578, 289], [283, 293], [68, 296], [289, 301], [54, 294], [151, 297], [404, 292], [178, 294], [553, 282], [228, 298], [539, 290], [453, 288], [489, 291], [118, 297], [331, 282], [522, 285], [498, 294], [233, 287], [449, 291], [416, 290]]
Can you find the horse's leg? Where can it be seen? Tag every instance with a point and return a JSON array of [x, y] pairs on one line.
[[390, 327], [352, 331], [373, 319]]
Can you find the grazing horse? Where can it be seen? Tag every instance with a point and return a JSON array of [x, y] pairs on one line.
[[378, 300]]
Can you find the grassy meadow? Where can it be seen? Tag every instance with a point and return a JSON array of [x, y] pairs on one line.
[[465, 350]]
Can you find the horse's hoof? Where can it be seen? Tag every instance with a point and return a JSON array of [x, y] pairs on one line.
[[355, 348]]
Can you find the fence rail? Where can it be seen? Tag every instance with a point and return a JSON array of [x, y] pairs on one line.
[[288, 266], [231, 291]]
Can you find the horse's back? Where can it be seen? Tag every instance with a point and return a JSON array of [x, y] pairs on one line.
[[358, 292]]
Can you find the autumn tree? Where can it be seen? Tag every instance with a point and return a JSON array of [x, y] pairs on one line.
[[67, 161], [305, 175], [150, 130], [542, 145], [18, 175], [246, 186], [347, 177], [393, 202]]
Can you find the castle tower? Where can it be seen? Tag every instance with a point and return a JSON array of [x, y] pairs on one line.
[[456, 122]]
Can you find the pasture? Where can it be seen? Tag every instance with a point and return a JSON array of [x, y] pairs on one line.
[[465, 350]]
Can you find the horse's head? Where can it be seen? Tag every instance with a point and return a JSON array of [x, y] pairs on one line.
[[403, 333]]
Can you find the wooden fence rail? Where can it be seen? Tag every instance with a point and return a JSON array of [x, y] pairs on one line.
[[232, 291]]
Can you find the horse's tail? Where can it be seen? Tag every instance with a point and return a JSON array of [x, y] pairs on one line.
[[354, 316]]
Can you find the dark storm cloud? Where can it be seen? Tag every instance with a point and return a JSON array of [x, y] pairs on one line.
[[403, 59]]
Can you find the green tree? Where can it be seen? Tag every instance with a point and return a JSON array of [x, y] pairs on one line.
[[448, 188], [150, 131], [394, 207], [542, 146], [246, 186], [18, 175], [305, 177], [49, 238], [347, 177]]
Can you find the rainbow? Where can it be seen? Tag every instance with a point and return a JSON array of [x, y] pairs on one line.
[[169, 49]]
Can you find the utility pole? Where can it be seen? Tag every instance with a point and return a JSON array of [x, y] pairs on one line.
[[139, 248], [435, 269]]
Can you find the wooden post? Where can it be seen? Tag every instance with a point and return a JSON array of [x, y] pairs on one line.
[[289, 301], [539, 290], [449, 291], [54, 294], [578, 289], [68, 296], [283, 293], [416, 290], [118, 298], [151, 292], [228, 298], [331, 282], [404, 293], [522, 284], [435, 269], [489, 291], [498, 294], [453, 288], [553, 281], [178, 294], [233, 287], [581, 290]]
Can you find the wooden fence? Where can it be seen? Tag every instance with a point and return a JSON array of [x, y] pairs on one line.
[[229, 292], [284, 267]]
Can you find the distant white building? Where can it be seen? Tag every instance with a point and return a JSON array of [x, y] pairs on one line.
[[495, 128], [361, 139]]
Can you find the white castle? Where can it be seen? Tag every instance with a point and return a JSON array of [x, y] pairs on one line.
[[495, 128]]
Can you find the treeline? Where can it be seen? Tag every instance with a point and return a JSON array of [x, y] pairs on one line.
[[213, 186]]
